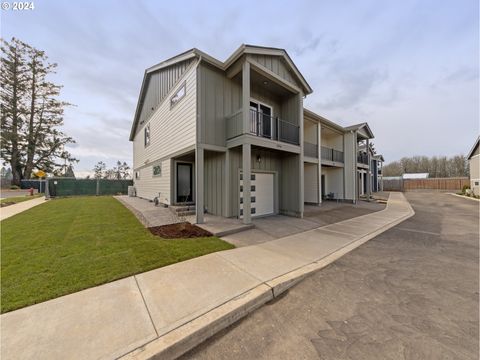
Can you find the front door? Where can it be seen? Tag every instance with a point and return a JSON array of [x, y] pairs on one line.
[[184, 182]]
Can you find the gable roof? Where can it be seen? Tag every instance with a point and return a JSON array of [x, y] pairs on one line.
[[379, 157], [475, 146], [194, 52], [314, 116], [362, 126]]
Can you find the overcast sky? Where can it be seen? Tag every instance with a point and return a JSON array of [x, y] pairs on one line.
[[408, 68]]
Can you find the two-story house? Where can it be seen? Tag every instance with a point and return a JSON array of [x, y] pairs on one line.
[[233, 138]]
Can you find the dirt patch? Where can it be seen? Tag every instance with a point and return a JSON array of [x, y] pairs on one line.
[[6, 204], [178, 231]]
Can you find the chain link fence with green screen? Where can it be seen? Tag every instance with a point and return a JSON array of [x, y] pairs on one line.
[[73, 187]]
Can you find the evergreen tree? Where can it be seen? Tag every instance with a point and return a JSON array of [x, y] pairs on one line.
[[32, 114]]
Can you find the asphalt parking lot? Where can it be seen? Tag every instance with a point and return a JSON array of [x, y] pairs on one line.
[[410, 293]]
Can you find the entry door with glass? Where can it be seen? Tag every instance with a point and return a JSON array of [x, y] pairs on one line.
[[261, 119], [184, 182]]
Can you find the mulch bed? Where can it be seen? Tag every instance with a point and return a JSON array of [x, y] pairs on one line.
[[179, 231]]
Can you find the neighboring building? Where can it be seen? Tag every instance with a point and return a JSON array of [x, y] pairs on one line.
[[377, 164], [234, 139], [474, 164], [415, 176]]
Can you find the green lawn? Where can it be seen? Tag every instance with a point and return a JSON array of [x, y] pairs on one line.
[[18, 199], [70, 244]]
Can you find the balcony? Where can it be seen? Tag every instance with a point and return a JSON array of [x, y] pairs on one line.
[[362, 158], [332, 155], [310, 150], [263, 125]]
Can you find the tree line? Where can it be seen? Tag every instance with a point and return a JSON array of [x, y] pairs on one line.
[[31, 113], [436, 166], [119, 172]]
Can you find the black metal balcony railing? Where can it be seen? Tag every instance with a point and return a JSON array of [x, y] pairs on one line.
[[310, 149], [273, 128], [332, 154], [263, 125], [362, 158]]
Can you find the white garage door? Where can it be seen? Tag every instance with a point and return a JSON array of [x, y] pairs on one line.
[[262, 194]]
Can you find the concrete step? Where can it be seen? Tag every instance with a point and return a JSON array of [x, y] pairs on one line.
[[185, 213], [181, 208]]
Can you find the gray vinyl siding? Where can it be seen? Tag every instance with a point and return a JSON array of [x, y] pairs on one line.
[[214, 183], [158, 86], [218, 97], [172, 130], [277, 65], [283, 164]]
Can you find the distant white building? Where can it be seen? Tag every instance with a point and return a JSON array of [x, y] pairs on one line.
[[474, 163], [415, 176]]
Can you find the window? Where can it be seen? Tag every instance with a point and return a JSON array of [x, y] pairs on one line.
[[146, 133], [137, 175], [476, 183], [179, 95], [157, 170]]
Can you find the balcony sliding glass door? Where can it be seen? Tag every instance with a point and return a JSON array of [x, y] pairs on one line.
[[261, 119]]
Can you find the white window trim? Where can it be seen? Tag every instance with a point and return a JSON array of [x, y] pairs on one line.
[[145, 143], [183, 86]]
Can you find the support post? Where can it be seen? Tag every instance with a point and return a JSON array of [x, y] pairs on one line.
[[319, 151], [301, 170], [226, 212], [246, 97], [369, 172], [246, 174], [199, 188]]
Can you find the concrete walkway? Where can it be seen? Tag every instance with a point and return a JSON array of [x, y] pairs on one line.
[[8, 211], [146, 211], [170, 310]]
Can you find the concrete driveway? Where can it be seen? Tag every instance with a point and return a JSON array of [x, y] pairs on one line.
[[278, 226], [410, 293]]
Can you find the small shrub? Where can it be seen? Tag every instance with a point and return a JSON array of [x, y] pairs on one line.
[[14, 187], [465, 188]]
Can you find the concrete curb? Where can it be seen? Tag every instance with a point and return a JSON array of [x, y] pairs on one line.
[[464, 197], [187, 336], [177, 342], [234, 231]]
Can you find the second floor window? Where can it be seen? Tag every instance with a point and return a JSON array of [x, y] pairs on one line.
[[179, 95], [147, 135]]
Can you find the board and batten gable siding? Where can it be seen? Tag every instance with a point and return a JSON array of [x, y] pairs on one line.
[[218, 97], [159, 85], [277, 65], [171, 130]]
